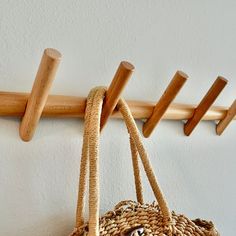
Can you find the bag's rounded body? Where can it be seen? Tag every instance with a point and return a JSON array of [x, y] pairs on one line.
[[129, 215]]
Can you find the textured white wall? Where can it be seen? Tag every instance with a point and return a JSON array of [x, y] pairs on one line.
[[39, 179]]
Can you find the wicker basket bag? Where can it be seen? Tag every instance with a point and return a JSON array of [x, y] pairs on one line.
[[128, 217]]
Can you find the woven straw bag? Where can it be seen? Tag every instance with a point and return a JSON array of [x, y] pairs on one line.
[[128, 217]]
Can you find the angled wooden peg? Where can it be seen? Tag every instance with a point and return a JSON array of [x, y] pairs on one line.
[[230, 114], [39, 94], [115, 89], [166, 99], [205, 104]]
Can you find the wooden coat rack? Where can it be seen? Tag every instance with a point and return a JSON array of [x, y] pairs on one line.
[[31, 107]]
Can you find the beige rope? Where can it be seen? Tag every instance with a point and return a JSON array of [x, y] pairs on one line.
[[133, 130], [94, 134], [84, 162], [137, 176], [90, 152]]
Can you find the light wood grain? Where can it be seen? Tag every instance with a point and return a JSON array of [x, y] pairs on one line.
[[115, 89], [205, 104], [231, 113], [39, 94], [166, 99], [12, 104]]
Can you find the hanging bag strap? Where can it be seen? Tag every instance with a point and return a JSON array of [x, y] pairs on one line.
[[136, 171], [90, 153], [134, 133], [84, 161]]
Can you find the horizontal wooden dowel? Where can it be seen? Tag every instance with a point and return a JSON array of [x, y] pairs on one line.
[[115, 89], [12, 104], [231, 113], [166, 99], [39, 94], [205, 104]]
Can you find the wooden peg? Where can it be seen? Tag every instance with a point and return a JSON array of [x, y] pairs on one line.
[[115, 89], [39, 94], [166, 99], [230, 114], [205, 104]]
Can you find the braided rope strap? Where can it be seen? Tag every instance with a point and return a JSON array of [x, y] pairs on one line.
[[90, 153]]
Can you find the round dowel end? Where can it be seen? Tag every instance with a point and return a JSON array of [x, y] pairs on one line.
[[182, 74], [53, 53], [222, 79], [127, 66]]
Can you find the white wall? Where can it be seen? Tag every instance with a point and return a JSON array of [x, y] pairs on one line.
[[39, 179]]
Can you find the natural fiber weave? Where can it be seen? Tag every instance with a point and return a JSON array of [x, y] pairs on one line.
[[155, 219]]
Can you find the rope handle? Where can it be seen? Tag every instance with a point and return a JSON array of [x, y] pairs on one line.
[[136, 171], [134, 132], [90, 153]]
